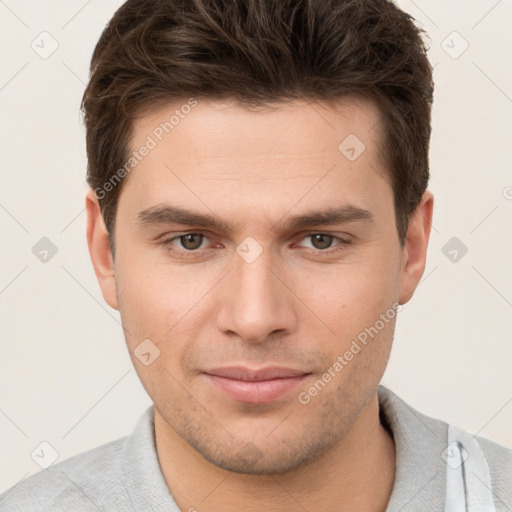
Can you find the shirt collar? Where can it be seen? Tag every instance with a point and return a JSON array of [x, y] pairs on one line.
[[420, 477], [145, 482]]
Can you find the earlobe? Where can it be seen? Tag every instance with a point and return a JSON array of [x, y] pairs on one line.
[[414, 254], [99, 250]]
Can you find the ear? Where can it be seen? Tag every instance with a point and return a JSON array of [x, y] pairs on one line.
[[99, 249], [414, 254]]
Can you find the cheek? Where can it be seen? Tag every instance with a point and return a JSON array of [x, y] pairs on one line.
[[349, 297], [148, 284], [158, 300]]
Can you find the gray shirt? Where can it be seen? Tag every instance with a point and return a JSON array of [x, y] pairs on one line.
[[438, 468]]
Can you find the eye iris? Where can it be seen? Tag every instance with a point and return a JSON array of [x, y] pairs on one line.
[[321, 241], [191, 241]]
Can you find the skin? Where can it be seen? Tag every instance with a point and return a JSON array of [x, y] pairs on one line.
[[289, 307]]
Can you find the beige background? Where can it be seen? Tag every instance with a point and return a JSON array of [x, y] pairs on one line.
[[65, 375]]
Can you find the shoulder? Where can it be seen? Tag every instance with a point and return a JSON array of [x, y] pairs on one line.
[[74, 484], [496, 454], [453, 453]]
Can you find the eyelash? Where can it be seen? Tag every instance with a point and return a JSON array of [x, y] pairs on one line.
[[341, 246]]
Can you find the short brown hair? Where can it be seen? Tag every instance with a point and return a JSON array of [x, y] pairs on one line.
[[261, 52]]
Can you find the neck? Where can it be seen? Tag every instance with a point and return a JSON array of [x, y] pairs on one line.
[[358, 474]]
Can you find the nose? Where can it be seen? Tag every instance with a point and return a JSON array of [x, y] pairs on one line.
[[255, 301]]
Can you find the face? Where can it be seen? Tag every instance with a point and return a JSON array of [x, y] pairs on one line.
[[262, 240]]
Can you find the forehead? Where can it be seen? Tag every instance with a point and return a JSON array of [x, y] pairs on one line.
[[295, 128], [257, 157]]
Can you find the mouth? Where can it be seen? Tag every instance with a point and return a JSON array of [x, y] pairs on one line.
[[255, 386]]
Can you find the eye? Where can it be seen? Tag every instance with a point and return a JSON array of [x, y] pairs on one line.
[[188, 245], [188, 242], [323, 241]]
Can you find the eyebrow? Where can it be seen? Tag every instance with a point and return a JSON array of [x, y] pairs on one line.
[[161, 215]]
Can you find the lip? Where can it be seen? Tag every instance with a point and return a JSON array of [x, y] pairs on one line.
[[255, 386]]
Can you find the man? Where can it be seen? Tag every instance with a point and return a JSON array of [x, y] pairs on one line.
[[258, 213]]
